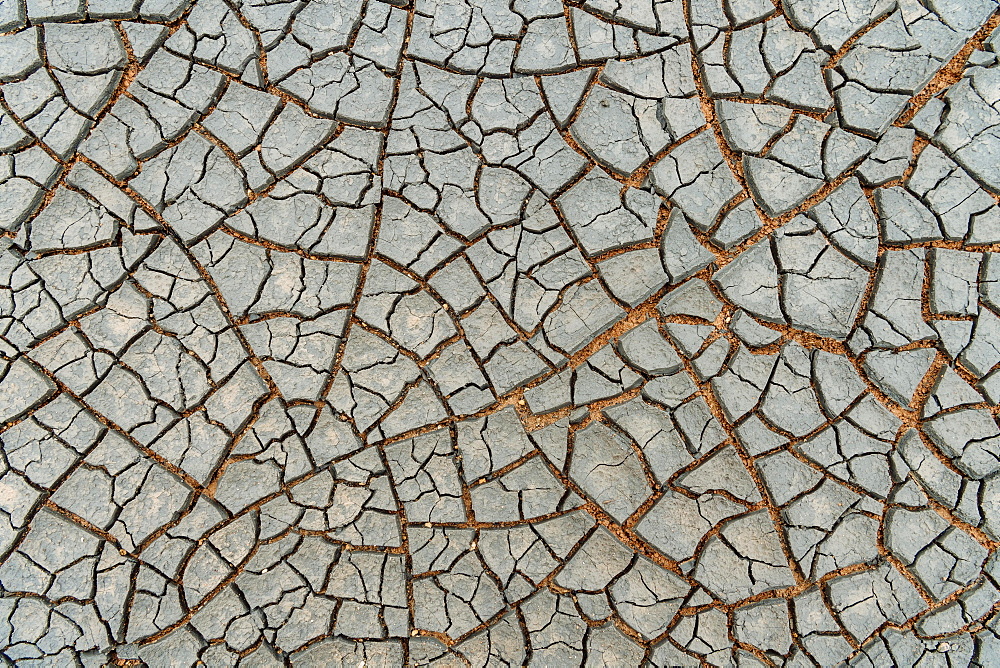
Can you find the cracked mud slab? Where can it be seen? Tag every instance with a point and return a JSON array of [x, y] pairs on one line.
[[477, 333]]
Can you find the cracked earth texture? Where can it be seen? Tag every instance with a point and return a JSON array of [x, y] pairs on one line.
[[489, 333]]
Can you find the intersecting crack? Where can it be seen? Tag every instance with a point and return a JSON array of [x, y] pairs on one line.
[[364, 332]]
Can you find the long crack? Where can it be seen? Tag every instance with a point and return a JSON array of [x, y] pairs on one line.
[[352, 333]]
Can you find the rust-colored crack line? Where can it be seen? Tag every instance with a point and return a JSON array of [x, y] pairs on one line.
[[951, 73]]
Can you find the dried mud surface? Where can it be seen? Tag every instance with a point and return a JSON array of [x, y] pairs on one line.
[[480, 333]]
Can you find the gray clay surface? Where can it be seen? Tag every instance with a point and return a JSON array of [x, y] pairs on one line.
[[485, 333]]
